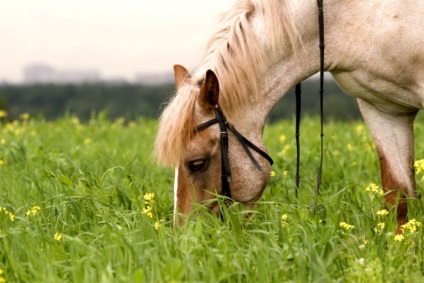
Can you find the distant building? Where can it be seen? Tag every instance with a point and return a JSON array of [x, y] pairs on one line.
[[3, 81], [38, 74], [42, 74]]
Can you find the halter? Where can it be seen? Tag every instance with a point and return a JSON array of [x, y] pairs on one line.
[[225, 161]]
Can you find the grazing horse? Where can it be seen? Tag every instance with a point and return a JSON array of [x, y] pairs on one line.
[[375, 51]]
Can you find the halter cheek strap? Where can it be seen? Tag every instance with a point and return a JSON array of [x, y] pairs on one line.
[[224, 126], [225, 160]]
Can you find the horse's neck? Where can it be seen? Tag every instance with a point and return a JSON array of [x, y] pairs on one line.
[[285, 70], [293, 66], [353, 39]]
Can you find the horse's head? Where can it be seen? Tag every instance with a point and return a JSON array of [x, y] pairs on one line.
[[190, 139]]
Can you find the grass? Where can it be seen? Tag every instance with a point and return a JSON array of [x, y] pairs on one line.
[[76, 207]]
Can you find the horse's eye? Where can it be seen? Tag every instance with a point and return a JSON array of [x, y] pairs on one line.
[[196, 165]]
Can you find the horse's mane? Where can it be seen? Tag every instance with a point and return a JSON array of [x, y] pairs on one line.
[[238, 57], [176, 126]]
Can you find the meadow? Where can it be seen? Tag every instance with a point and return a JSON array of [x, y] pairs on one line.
[[85, 202]]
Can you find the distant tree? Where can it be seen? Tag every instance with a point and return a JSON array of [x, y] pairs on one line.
[[133, 101]]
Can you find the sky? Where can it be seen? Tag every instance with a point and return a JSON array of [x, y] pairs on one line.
[[119, 38]]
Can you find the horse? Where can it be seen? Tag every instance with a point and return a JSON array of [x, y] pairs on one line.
[[262, 48]]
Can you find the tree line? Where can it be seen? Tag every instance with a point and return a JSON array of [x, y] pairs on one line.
[[133, 101]]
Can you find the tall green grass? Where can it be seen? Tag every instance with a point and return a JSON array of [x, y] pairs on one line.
[[75, 207]]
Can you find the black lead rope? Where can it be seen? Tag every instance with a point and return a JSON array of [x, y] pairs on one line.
[[298, 110], [321, 96]]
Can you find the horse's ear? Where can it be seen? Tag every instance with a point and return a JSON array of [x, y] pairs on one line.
[[180, 75], [209, 92]]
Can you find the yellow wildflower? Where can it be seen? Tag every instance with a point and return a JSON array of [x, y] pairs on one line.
[[372, 187], [283, 138], [3, 141], [272, 173], [346, 226], [285, 149], [33, 210], [363, 240], [11, 215], [149, 197], [284, 220], [88, 141], [57, 236], [382, 212], [359, 128], [149, 200], [1, 162], [411, 226], [148, 211], [157, 225], [399, 238], [380, 227], [132, 124], [120, 121], [285, 173], [3, 114], [24, 116], [8, 213], [419, 166], [349, 147], [75, 120]]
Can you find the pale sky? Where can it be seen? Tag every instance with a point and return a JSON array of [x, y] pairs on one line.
[[117, 37]]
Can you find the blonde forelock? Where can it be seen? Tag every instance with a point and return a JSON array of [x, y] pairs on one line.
[[176, 126]]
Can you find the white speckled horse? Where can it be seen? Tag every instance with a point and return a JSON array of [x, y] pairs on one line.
[[374, 50]]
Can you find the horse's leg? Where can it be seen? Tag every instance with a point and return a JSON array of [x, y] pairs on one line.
[[393, 137]]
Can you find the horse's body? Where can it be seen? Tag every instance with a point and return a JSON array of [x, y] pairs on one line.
[[374, 49]]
